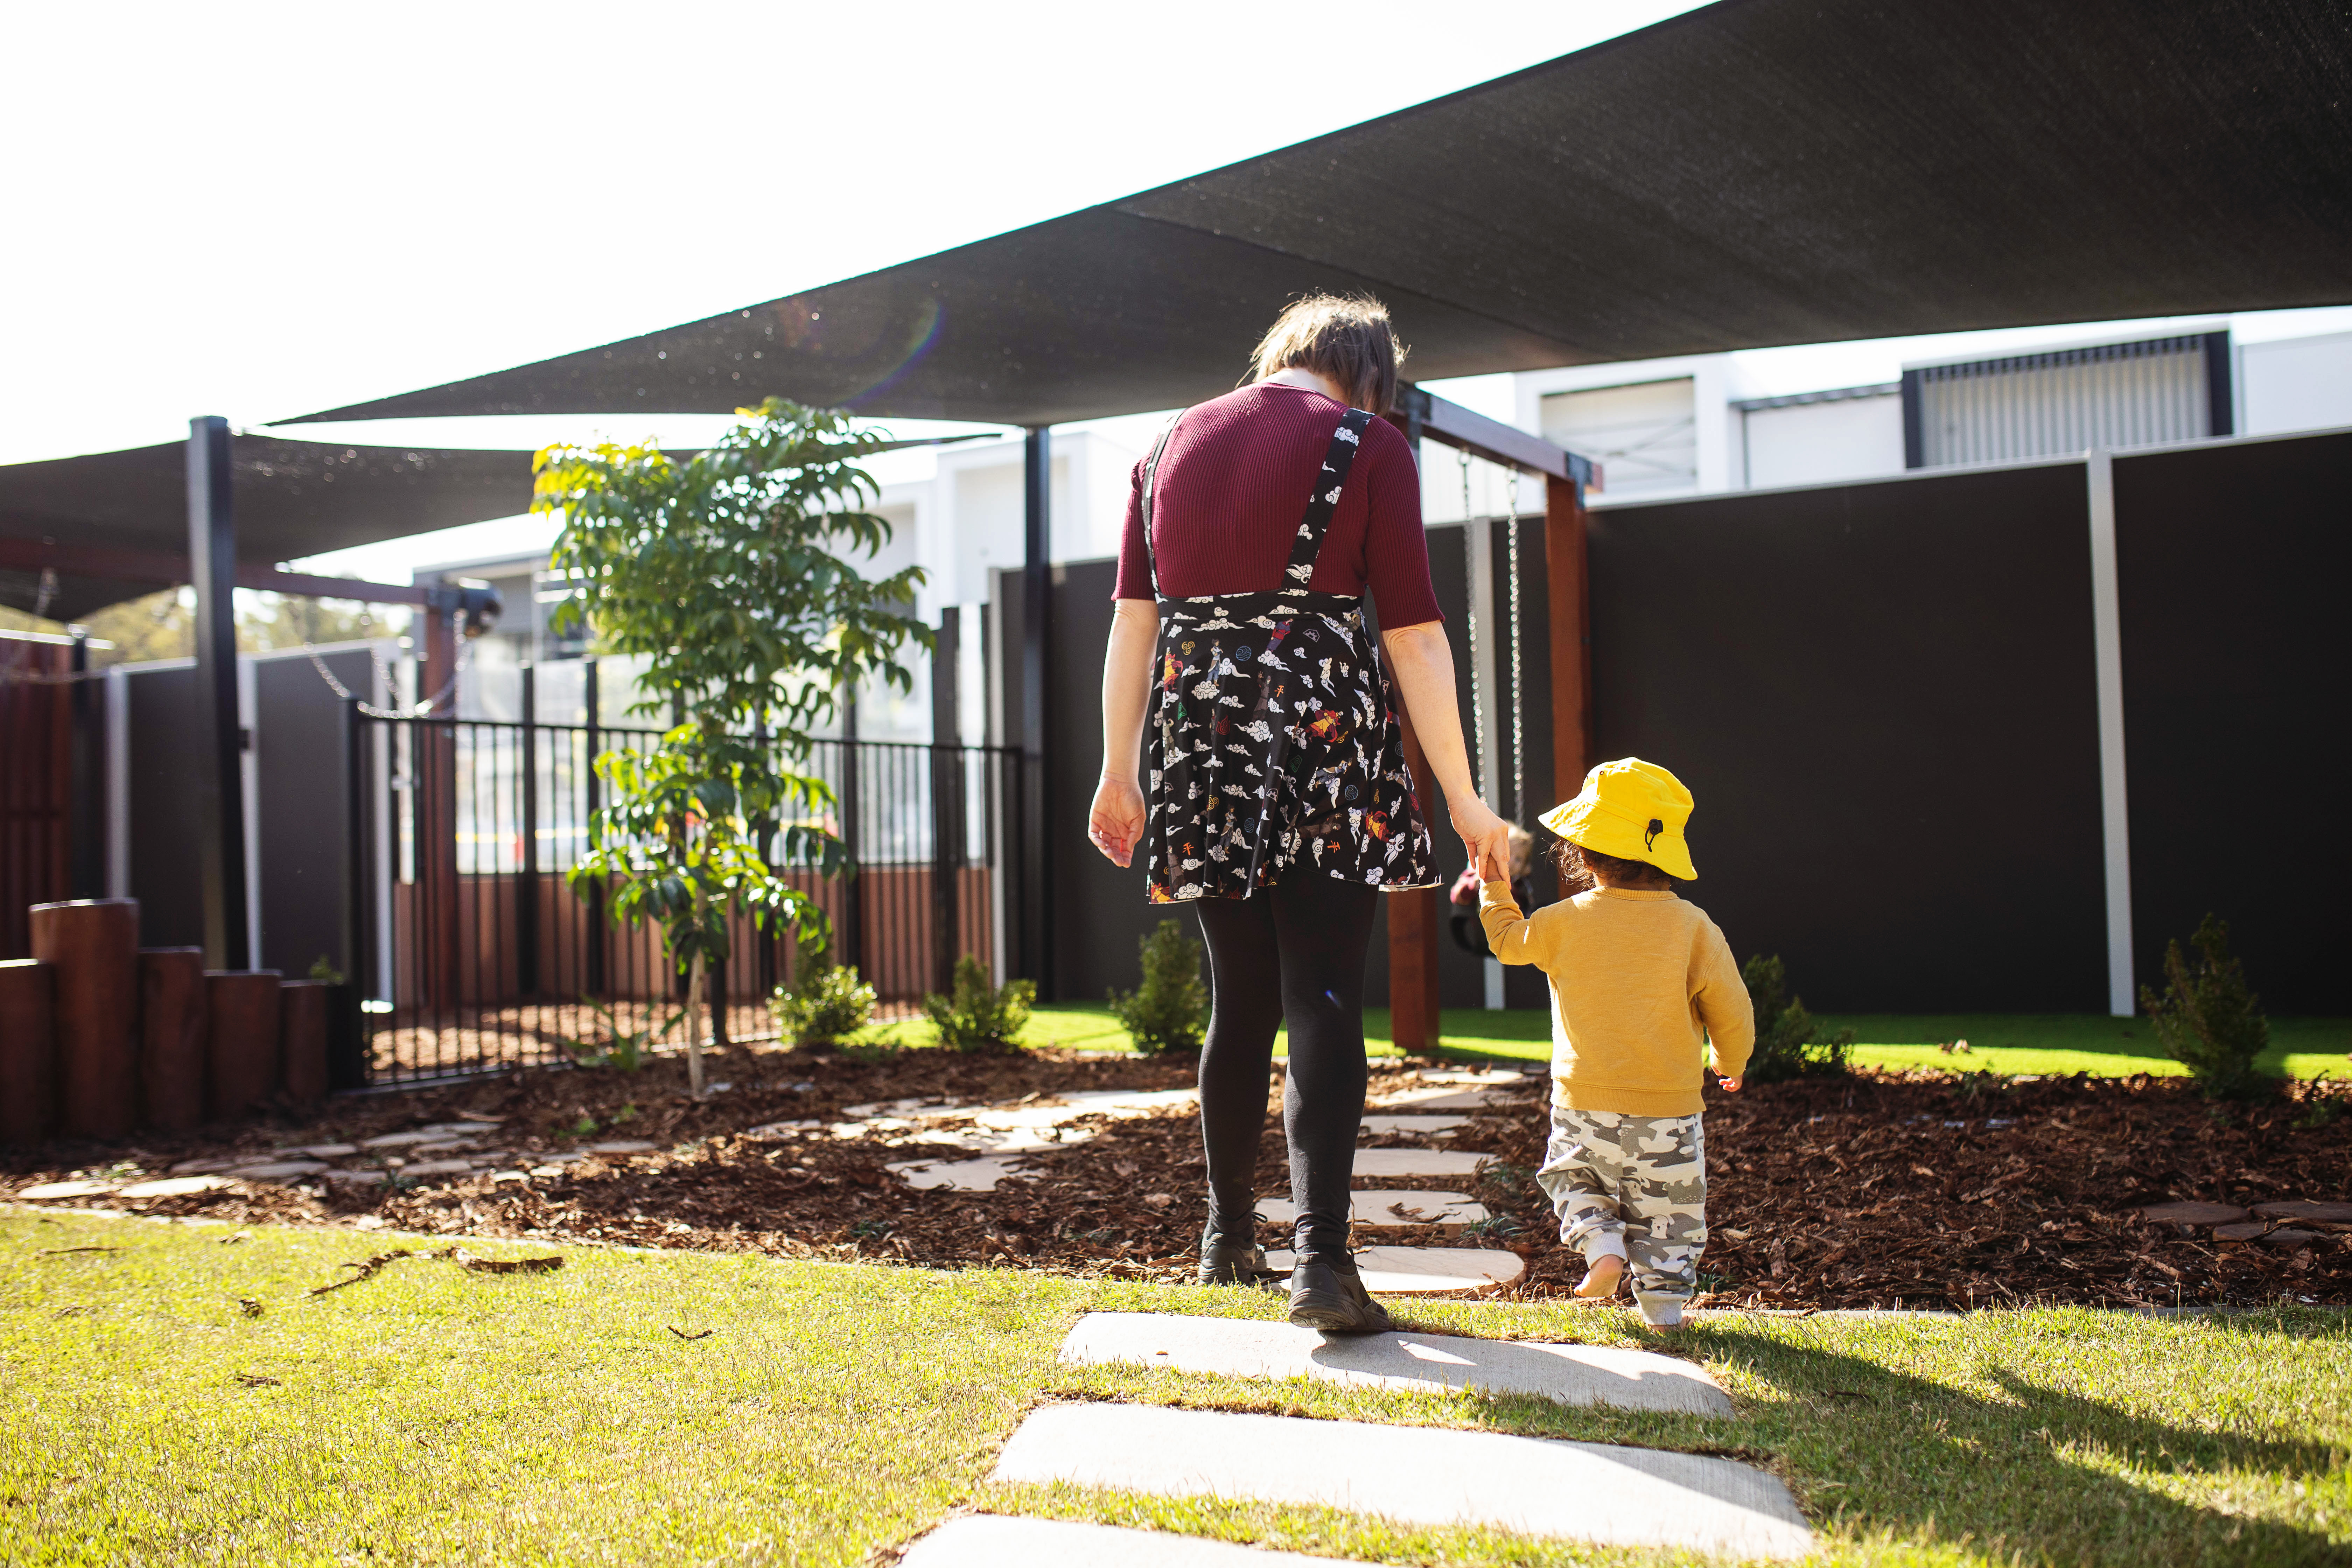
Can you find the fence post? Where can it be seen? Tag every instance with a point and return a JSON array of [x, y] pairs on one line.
[[527, 881], [596, 987], [850, 945], [347, 1031], [947, 801]]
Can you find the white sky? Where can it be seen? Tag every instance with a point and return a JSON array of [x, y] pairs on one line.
[[258, 210]]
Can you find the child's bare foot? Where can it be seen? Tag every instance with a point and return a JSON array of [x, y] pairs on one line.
[[1602, 1277]]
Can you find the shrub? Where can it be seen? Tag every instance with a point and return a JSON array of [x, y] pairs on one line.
[[825, 1002], [625, 1050], [1788, 1044], [2207, 1019], [1168, 1013], [977, 1016]]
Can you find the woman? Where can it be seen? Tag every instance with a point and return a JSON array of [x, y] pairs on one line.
[[1280, 803]]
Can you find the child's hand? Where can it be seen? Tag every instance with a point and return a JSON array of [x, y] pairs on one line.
[[1490, 867], [1729, 1085]]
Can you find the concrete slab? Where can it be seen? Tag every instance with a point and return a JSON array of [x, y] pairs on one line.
[[996, 1540], [2193, 1214], [2308, 1209], [1427, 1270], [1452, 1210], [1439, 1097], [1246, 1347], [1407, 1164], [278, 1171], [359, 1178], [979, 1176], [66, 1190], [170, 1187], [425, 1168], [1415, 1126], [622, 1146], [400, 1139], [209, 1162], [324, 1151], [1535, 1486]]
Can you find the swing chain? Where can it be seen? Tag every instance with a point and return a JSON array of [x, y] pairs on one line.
[[1470, 566], [1518, 736]]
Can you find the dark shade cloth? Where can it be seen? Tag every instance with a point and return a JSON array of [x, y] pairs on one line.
[[1226, 509], [1753, 172]]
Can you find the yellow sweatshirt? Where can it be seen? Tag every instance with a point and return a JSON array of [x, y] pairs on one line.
[[1640, 982]]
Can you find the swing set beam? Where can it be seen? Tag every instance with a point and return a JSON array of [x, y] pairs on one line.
[[1414, 916]]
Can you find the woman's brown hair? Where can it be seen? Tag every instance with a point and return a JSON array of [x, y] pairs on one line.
[[1346, 341]]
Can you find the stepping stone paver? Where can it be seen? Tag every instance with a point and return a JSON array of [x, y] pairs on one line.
[[1418, 1163], [622, 1146], [400, 1140], [2244, 1230], [979, 1176], [67, 1190], [2307, 1208], [2292, 1237], [997, 1541], [359, 1178], [320, 1151], [1427, 1270], [210, 1162], [1415, 1475], [1247, 1347], [2193, 1214], [1439, 1098], [278, 1170], [438, 1168], [1452, 1210], [1425, 1126], [174, 1187]]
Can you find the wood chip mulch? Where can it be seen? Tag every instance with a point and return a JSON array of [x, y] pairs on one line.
[[1923, 1189]]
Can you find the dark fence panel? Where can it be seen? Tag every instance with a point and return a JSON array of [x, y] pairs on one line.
[[1882, 697], [36, 782], [2231, 562], [479, 953]]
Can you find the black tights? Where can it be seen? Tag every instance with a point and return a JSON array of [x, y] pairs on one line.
[[1295, 951]]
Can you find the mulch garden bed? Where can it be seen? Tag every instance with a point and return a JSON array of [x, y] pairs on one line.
[[1924, 1189]]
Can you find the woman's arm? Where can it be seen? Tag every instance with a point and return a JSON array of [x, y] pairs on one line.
[[1423, 662], [1117, 822]]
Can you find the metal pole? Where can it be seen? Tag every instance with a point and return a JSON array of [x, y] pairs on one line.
[[219, 783], [526, 893], [347, 1040], [1036, 731], [85, 806], [595, 803], [849, 944], [947, 800]]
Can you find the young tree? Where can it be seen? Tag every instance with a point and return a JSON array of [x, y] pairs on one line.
[[731, 572]]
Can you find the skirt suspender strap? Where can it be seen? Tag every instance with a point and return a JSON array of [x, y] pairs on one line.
[[1307, 545]]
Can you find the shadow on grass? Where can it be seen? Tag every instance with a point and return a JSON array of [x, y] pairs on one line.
[[2033, 1472]]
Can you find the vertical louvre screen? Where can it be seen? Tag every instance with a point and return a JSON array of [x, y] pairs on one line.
[[2039, 406]]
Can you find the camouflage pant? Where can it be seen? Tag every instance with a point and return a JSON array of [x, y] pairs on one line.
[[1632, 1187]]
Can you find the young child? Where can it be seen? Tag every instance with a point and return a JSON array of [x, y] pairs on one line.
[[1641, 982]]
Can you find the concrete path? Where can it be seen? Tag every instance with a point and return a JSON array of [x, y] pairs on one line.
[[1427, 1270], [1452, 1210], [996, 1540], [1415, 1475], [1418, 1164], [1245, 1347]]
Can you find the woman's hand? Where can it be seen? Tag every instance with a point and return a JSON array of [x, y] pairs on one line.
[[1116, 824], [1485, 837]]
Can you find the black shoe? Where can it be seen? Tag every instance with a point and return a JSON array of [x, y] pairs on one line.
[[1227, 1261], [1327, 1293]]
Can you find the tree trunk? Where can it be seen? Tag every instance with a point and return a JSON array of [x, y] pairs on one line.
[[695, 1019]]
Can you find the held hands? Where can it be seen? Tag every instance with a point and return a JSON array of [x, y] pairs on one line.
[[1486, 837], [1115, 822]]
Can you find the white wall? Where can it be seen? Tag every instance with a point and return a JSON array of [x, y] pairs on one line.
[[2294, 384], [1825, 442]]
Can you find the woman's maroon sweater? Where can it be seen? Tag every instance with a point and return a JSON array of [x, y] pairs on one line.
[[1234, 484]]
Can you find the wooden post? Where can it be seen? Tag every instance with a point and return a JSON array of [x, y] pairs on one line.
[[303, 1008], [94, 945], [1570, 603], [171, 1011], [241, 1057], [1413, 926], [29, 1052]]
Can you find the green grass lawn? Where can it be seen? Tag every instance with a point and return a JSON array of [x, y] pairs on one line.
[[822, 1411], [1997, 1042]]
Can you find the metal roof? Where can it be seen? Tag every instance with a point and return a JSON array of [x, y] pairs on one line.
[[1756, 173]]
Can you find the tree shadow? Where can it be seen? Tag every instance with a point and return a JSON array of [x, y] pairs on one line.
[[1883, 1450]]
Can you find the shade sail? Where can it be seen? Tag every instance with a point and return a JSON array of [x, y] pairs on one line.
[[293, 498], [1756, 173]]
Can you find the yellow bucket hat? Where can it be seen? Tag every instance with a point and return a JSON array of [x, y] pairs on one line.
[[1634, 810]]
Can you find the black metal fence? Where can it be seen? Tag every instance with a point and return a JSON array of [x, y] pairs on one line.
[[475, 951]]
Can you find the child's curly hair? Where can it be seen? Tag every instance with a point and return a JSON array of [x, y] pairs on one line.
[[1576, 864]]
